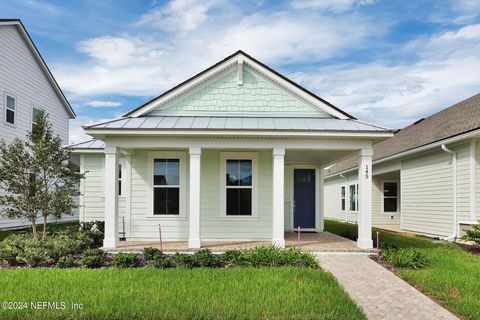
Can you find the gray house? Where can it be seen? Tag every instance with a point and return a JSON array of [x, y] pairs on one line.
[[426, 179], [27, 86]]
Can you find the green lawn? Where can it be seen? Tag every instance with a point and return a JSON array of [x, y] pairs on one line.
[[233, 293], [453, 278], [50, 227]]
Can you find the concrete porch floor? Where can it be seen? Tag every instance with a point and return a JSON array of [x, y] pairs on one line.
[[314, 242]]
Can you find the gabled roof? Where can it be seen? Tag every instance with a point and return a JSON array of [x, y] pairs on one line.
[[18, 23], [236, 58], [453, 121]]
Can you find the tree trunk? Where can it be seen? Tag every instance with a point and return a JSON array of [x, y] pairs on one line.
[[34, 229], [44, 233]]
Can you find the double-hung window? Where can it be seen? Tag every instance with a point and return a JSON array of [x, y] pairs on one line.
[[238, 180], [390, 196], [353, 193], [342, 194], [10, 109], [166, 186]]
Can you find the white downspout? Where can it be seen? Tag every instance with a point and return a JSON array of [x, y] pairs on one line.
[[346, 188], [455, 218]]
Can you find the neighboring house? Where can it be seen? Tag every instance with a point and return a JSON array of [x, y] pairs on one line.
[[426, 179], [27, 86], [233, 153]]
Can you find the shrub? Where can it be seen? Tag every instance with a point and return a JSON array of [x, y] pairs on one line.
[[34, 253], [94, 230], [162, 261], [126, 260], [150, 253], [12, 246], [271, 257], [408, 258], [473, 235], [205, 258], [62, 245], [66, 262], [94, 258], [184, 260], [388, 246]]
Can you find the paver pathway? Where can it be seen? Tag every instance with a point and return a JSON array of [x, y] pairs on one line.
[[380, 293]]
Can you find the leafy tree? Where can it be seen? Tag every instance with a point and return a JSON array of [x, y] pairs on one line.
[[36, 178], [473, 234]]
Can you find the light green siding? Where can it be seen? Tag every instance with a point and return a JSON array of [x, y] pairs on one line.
[[141, 226], [224, 95], [212, 224]]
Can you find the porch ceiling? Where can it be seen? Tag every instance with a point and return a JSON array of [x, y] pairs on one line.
[[324, 157]]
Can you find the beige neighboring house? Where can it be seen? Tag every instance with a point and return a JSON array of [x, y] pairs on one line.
[[426, 179], [27, 86]]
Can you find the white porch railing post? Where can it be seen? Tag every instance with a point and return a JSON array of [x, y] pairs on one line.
[[110, 240], [364, 195], [194, 212], [278, 238]]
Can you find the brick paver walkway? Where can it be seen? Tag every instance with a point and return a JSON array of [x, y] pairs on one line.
[[380, 293]]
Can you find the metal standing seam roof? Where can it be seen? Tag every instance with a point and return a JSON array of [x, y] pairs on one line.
[[238, 123], [91, 144]]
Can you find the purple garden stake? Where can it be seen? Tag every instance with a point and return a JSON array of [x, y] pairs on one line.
[[298, 238], [160, 234]]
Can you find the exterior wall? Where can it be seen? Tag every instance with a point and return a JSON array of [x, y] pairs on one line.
[[256, 95], [22, 78], [133, 205], [477, 180]]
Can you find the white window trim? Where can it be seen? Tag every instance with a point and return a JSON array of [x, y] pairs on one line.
[[14, 125], [356, 194], [224, 156], [383, 197], [123, 163], [343, 197], [183, 183], [31, 114]]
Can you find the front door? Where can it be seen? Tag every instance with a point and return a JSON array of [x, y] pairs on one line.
[[304, 197]]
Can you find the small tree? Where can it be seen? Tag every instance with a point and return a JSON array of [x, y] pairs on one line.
[[473, 234], [36, 177]]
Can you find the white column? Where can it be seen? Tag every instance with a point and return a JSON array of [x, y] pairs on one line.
[[111, 198], [194, 212], [364, 240], [278, 198], [321, 195]]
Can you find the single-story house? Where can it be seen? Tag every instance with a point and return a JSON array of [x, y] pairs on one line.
[[426, 179], [236, 152]]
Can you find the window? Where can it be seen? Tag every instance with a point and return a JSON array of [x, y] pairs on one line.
[[120, 179], [353, 197], [166, 186], [10, 109], [35, 113], [239, 188], [390, 196], [343, 198]]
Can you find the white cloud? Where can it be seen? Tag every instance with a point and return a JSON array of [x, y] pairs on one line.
[[145, 66], [178, 15], [100, 103], [330, 5]]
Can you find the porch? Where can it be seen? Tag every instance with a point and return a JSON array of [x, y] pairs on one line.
[[313, 242]]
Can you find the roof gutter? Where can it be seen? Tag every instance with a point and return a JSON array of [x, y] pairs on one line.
[[454, 172], [454, 139]]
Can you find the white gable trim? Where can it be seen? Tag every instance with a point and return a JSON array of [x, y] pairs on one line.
[[41, 63], [237, 59]]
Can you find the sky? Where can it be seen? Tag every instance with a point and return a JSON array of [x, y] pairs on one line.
[[386, 62]]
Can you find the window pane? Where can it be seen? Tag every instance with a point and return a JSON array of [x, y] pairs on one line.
[[119, 187], [343, 204], [353, 197], [10, 102], [245, 172], [390, 189], [390, 204], [166, 201], [10, 116], [239, 202], [166, 172], [232, 174], [343, 192]]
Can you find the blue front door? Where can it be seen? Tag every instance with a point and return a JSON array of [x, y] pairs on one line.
[[304, 196]]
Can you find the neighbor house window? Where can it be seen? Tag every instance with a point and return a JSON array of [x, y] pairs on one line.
[[166, 186], [390, 196], [10, 109], [239, 187], [120, 179], [353, 197], [35, 113], [343, 198]]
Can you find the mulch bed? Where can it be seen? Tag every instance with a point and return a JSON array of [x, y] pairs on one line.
[[470, 248], [384, 264]]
